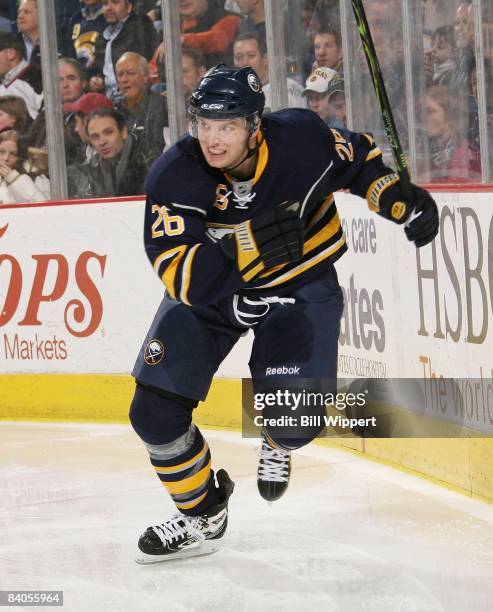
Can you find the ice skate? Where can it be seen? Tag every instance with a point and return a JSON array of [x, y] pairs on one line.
[[274, 469], [183, 536]]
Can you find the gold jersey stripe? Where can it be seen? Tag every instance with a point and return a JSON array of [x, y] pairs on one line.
[[168, 277], [191, 483], [325, 234], [305, 265], [173, 469], [253, 272], [373, 153], [273, 270], [220, 225], [187, 273]]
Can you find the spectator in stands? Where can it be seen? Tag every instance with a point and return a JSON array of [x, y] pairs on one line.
[[324, 93], [16, 74], [126, 31], [22, 172], [82, 109], [87, 27], [464, 38], [73, 79], [64, 11], [193, 67], [118, 168], [82, 153], [145, 110], [206, 26], [440, 62], [253, 12], [14, 115], [328, 50], [453, 157], [250, 50], [27, 22], [310, 25]]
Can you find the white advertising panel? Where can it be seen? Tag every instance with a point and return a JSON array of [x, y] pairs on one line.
[[76, 289], [77, 292], [418, 313]]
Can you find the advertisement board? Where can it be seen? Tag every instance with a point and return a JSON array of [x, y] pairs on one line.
[[78, 293]]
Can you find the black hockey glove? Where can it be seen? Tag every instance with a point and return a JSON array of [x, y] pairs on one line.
[[420, 216], [270, 239], [422, 225]]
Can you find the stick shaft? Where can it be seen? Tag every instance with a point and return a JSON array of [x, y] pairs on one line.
[[382, 98]]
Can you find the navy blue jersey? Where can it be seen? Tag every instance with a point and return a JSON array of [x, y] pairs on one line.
[[191, 206]]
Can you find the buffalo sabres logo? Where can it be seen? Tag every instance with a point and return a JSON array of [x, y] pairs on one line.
[[154, 352], [253, 82]]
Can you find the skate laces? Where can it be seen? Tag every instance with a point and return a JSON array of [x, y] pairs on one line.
[[274, 463], [177, 526]]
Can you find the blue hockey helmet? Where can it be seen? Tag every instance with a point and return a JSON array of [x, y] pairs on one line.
[[228, 93]]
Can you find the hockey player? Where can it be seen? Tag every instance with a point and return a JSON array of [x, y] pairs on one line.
[[242, 228]]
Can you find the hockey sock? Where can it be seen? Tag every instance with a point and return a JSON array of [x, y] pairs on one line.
[[184, 468]]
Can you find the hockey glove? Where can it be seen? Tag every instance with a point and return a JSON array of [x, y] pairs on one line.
[[420, 216], [270, 239], [422, 225]]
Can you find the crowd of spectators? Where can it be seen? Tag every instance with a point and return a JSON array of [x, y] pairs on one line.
[[113, 85]]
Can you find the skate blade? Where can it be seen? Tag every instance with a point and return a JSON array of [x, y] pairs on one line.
[[208, 547]]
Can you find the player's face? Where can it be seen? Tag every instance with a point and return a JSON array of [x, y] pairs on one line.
[[115, 11], [71, 85], [246, 53], [437, 123], [319, 103], [191, 75], [27, 16], [327, 53], [106, 137], [223, 143], [8, 153], [131, 79]]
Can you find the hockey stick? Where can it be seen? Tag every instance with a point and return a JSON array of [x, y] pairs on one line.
[[382, 98]]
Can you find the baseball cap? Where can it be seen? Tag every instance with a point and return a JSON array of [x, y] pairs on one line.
[[320, 79], [87, 103], [336, 85], [10, 40]]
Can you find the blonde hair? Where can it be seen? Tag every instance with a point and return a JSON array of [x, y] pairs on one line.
[[30, 160]]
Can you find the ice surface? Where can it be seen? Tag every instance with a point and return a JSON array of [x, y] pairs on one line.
[[349, 535]]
